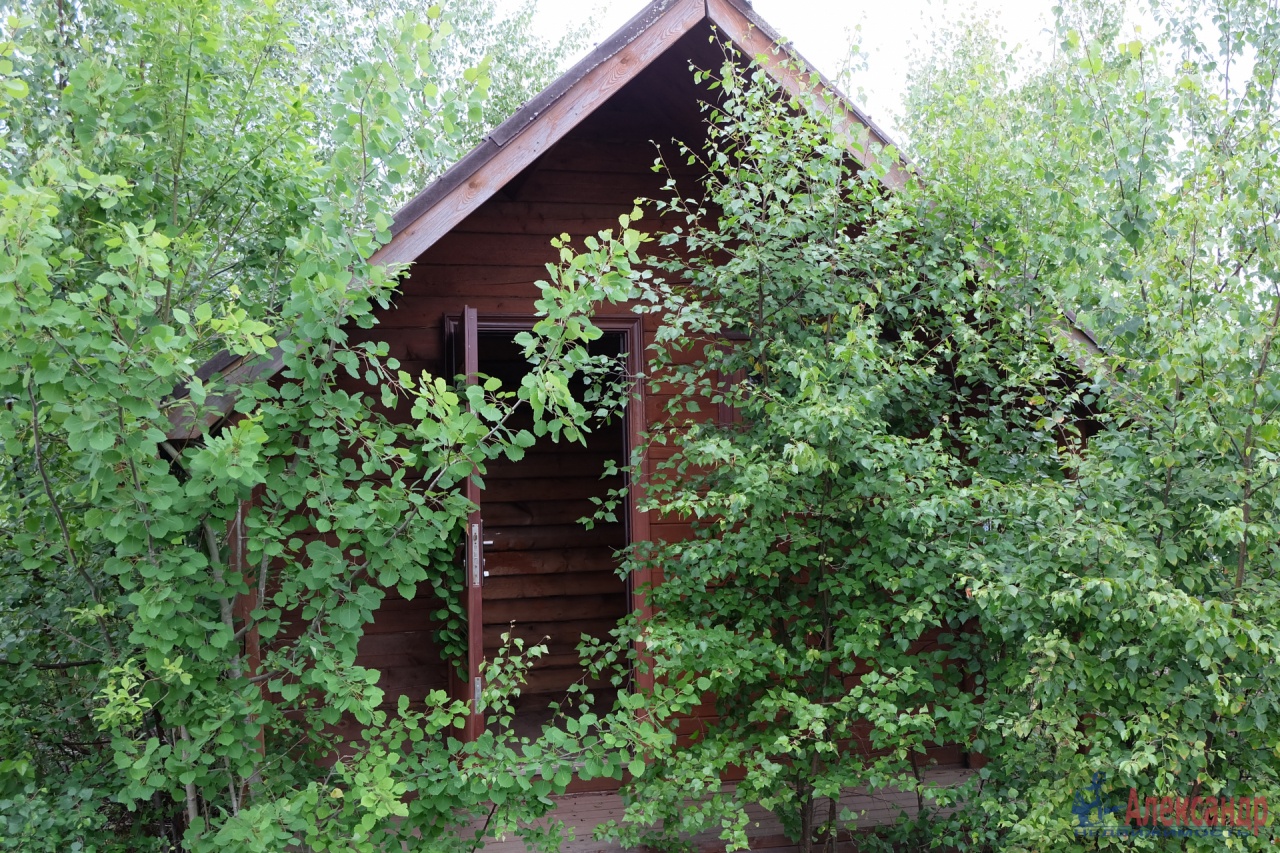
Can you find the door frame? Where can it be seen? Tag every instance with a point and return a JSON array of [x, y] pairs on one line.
[[636, 523]]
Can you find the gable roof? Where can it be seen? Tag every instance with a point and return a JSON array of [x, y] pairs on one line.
[[549, 116], [543, 121]]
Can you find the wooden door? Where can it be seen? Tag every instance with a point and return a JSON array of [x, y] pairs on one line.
[[553, 579], [467, 346]]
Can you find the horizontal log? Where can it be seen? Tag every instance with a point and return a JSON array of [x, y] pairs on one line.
[[604, 440], [417, 645], [425, 308], [502, 563], [399, 621], [551, 219], [618, 188], [558, 488], [558, 680], [558, 609], [399, 661], [560, 637], [567, 657], [404, 345], [534, 513], [553, 460], [415, 681], [666, 532], [489, 249], [656, 411], [428, 312], [425, 595], [447, 279], [555, 536], [589, 155], [585, 582], [424, 602]]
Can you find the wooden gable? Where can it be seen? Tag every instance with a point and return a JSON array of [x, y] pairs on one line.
[[569, 162], [646, 63]]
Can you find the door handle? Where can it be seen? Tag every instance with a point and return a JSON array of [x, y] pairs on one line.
[[475, 555]]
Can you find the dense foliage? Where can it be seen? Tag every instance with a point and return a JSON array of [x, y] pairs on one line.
[[845, 381], [1135, 611], [177, 181], [931, 509], [932, 515]]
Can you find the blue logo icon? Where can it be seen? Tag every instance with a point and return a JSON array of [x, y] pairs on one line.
[[1083, 809]]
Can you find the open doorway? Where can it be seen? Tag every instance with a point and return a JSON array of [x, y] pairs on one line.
[[547, 577], [542, 575]]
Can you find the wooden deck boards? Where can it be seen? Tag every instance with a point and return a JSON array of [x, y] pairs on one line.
[[584, 812]]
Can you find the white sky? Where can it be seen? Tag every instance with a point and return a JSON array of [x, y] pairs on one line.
[[822, 31]]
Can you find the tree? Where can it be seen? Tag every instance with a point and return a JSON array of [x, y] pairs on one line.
[[177, 182], [485, 49], [1135, 610], [941, 514], [933, 515], [872, 373]]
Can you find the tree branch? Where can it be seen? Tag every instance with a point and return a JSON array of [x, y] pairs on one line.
[[57, 511], [67, 665]]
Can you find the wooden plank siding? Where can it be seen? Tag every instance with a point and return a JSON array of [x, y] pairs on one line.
[[598, 92]]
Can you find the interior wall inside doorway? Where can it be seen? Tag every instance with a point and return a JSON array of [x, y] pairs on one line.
[[550, 579]]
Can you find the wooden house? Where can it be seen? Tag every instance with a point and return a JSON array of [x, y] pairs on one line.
[[477, 239], [569, 161]]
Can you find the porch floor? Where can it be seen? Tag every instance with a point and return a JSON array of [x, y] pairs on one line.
[[584, 812]]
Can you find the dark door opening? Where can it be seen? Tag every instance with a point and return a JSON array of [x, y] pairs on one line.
[[542, 575], [547, 577]]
